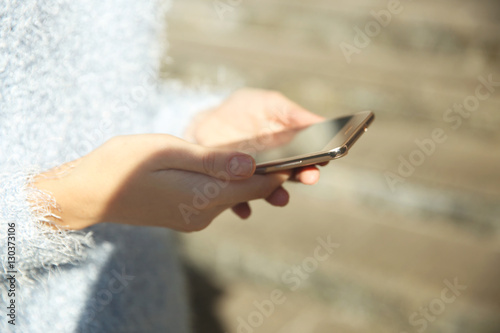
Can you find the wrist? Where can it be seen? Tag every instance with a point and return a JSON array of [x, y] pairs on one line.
[[64, 211]]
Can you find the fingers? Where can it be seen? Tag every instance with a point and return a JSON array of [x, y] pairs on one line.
[[279, 197], [256, 187], [308, 175], [302, 117], [291, 114], [242, 210], [215, 162], [220, 163]]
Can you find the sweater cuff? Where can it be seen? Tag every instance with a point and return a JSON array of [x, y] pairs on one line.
[[26, 233]]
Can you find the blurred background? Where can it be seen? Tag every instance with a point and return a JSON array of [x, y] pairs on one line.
[[418, 246]]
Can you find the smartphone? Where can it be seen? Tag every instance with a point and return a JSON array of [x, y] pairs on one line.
[[313, 144]]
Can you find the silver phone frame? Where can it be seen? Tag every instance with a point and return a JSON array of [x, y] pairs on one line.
[[336, 148]]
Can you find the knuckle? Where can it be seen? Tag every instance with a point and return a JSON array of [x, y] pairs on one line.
[[208, 161]]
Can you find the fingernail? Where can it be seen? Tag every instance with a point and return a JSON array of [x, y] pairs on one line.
[[241, 166]]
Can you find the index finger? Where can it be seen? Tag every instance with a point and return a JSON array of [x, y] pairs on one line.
[[255, 187]]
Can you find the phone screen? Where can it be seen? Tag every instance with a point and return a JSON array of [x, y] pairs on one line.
[[294, 142]]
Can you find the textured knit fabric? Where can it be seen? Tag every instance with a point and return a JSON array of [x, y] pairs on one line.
[[74, 73]]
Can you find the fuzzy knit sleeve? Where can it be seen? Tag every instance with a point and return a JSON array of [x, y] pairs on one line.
[[72, 75], [27, 244], [67, 68], [179, 103]]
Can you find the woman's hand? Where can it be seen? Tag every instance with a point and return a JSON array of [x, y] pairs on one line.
[[156, 180], [248, 113]]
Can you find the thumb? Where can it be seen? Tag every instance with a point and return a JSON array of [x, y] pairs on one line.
[[214, 162]]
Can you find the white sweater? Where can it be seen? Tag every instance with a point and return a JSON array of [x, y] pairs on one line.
[[73, 73]]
